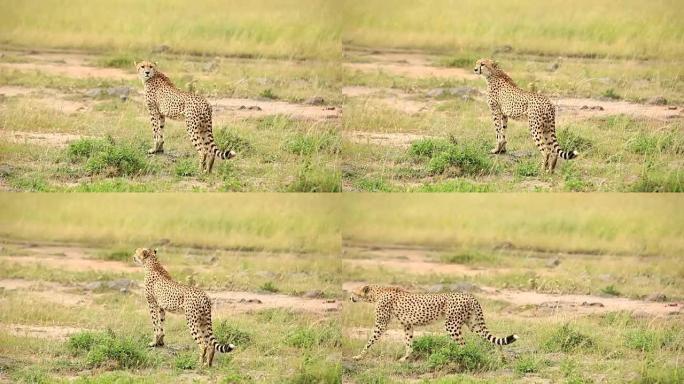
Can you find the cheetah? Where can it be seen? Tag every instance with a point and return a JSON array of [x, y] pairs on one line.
[[163, 100], [506, 100], [413, 309], [163, 294]]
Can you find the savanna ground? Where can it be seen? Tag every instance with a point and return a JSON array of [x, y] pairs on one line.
[[593, 285], [415, 116], [71, 303], [72, 116]]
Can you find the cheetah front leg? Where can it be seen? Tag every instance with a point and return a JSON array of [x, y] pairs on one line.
[[408, 339], [158, 122], [157, 315], [382, 319], [500, 124], [453, 327]]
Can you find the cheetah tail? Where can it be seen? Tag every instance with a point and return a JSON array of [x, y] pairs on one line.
[[227, 154], [223, 348], [480, 328], [566, 155]]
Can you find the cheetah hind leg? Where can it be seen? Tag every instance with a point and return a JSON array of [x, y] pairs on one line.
[[408, 339], [210, 161]]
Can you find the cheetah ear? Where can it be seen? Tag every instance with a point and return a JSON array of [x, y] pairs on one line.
[[156, 64], [495, 64], [135, 63], [154, 251], [365, 289]]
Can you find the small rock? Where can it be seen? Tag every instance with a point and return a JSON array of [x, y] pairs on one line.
[[503, 49], [315, 100], [250, 301], [210, 66], [657, 100], [121, 284], [465, 287], [659, 297], [94, 285], [436, 92], [672, 107], [119, 91], [330, 108], [266, 274], [315, 294], [250, 108], [5, 170], [161, 48], [553, 263], [94, 92], [597, 108], [553, 66], [594, 304], [331, 301]]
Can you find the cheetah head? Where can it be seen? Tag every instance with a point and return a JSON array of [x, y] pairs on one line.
[[144, 255], [365, 293], [146, 69], [485, 67]]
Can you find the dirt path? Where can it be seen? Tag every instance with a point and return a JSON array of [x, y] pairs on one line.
[[230, 301], [376, 138], [414, 65], [58, 332], [246, 108], [48, 139]]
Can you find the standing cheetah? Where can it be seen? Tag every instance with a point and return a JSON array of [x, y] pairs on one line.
[[163, 294], [164, 100], [413, 309], [506, 100]]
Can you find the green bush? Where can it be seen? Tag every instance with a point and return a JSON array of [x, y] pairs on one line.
[[269, 287], [105, 156], [610, 290], [227, 138], [529, 168], [104, 348], [474, 356], [186, 167], [527, 364], [268, 94], [428, 147], [305, 338], [227, 333], [185, 361], [304, 144], [566, 339], [316, 179], [456, 185], [570, 140], [316, 372]]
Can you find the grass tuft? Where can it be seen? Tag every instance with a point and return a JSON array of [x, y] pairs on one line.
[[567, 339], [105, 349]]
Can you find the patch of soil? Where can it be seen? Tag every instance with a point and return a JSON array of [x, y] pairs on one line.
[[414, 65], [69, 258], [582, 303], [360, 333], [245, 108], [11, 90], [583, 108], [49, 139], [46, 291], [38, 331], [376, 138], [230, 302], [73, 69]]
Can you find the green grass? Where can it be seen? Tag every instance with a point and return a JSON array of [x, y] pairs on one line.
[[265, 28], [301, 222], [99, 349], [468, 25]]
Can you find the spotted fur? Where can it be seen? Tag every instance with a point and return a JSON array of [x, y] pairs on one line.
[[506, 100], [163, 294], [164, 100], [413, 309]]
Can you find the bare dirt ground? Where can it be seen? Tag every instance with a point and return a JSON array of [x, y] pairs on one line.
[[417, 261], [418, 65], [41, 331], [74, 258], [80, 66], [49, 139]]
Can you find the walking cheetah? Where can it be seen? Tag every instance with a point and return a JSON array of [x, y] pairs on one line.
[[506, 100], [163, 294], [163, 100], [413, 309]]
